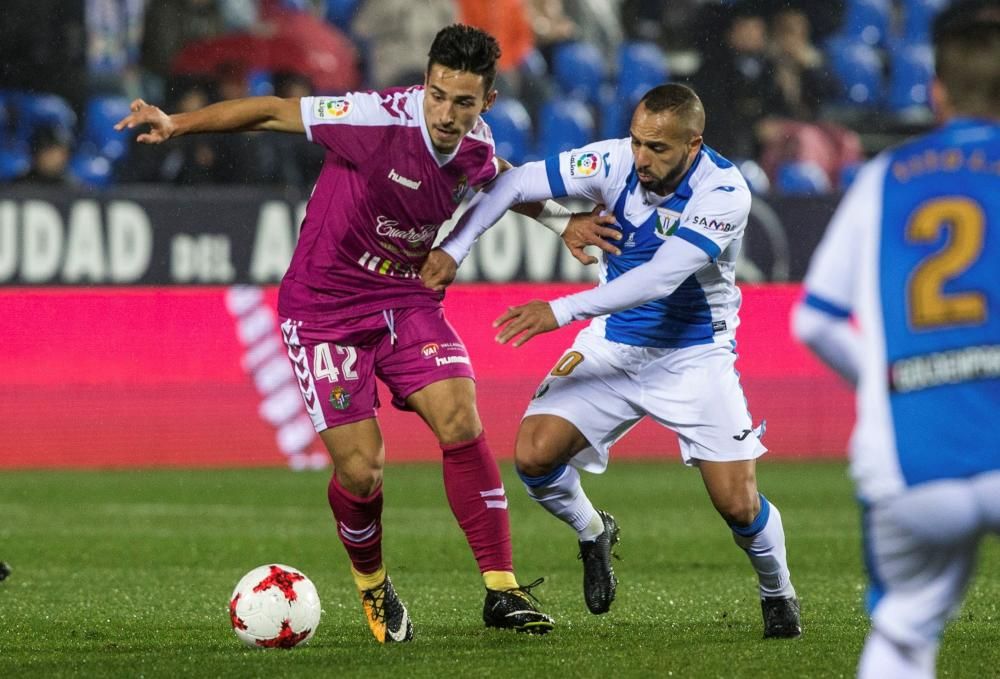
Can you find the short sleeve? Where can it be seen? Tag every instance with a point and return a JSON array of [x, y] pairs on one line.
[[585, 172], [716, 216], [352, 126]]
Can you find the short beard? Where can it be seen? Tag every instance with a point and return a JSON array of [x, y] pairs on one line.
[[669, 182]]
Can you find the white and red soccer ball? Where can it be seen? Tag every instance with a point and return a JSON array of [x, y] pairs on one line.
[[274, 606]]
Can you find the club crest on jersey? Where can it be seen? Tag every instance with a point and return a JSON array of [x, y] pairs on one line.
[[339, 398], [667, 222], [583, 165], [458, 193], [333, 108]]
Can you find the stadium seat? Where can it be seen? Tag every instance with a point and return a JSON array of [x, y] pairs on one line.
[[755, 176], [802, 179], [563, 125], [32, 110], [859, 68], [641, 67], [847, 175], [259, 83], [13, 164], [90, 169], [918, 15], [911, 72], [99, 136], [867, 21], [579, 71], [340, 13], [511, 127]]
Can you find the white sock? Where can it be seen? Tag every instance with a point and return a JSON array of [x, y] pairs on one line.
[[564, 498], [766, 549], [883, 659]]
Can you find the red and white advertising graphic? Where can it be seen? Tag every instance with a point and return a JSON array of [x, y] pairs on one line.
[[115, 377]]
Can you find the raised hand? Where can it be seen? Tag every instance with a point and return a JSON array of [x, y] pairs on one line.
[[161, 127], [521, 323], [591, 228]]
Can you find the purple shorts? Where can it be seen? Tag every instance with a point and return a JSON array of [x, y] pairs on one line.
[[407, 349]]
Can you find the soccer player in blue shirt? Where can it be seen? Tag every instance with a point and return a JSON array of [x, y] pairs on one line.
[[913, 256], [662, 342]]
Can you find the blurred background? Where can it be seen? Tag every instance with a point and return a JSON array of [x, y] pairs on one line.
[[137, 282]]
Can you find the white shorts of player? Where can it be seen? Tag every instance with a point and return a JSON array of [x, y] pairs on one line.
[[922, 548], [694, 391]]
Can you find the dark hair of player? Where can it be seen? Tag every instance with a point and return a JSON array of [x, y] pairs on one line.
[[967, 56], [464, 48], [679, 100]]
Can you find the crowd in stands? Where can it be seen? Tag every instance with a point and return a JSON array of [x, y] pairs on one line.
[[797, 92]]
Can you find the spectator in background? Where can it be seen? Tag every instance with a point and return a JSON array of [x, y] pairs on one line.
[[802, 76], [114, 37], [396, 34], [51, 146], [170, 25], [598, 22], [510, 21], [43, 48], [296, 161], [736, 79]]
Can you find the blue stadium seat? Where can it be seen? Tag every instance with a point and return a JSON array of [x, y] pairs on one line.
[[579, 70], [867, 21], [859, 68], [91, 169], [563, 125], [918, 15], [260, 83], [99, 136], [911, 72], [13, 164], [802, 178], [641, 67], [511, 127], [340, 13], [847, 175], [34, 110]]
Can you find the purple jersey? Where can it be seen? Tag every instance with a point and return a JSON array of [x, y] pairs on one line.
[[380, 199]]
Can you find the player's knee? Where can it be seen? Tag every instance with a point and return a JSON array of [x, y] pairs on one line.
[[535, 453], [457, 422], [738, 510], [360, 480]]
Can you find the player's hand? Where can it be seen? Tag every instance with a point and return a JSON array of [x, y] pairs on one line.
[[591, 228], [438, 270], [521, 323], [161, 127]]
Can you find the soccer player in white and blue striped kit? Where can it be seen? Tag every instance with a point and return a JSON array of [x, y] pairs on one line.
[[662, 342], [913, 256]]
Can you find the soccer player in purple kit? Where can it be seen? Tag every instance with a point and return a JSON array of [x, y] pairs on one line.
[[353, 306]]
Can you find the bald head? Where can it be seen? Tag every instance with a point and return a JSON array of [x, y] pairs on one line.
[[681, 102]]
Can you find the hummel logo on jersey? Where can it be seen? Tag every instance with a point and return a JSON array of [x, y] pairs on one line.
[[742, 435], [727, 189], [403, 181]]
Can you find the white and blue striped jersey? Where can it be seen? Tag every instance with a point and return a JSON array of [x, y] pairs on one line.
[[913, 256], [649, 295]]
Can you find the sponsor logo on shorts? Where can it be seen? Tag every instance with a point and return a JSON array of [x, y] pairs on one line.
[[429, 350], [743, 434], [446, 360], [584, 164], [333, 108], [340, 399], [543, 388]]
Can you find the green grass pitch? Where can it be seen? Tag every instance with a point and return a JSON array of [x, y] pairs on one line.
[[128, 574]]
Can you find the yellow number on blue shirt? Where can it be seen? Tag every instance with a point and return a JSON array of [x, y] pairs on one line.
[[929, 306]]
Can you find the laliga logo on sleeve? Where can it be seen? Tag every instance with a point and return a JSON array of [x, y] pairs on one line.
[[333, 108], [584, 164]]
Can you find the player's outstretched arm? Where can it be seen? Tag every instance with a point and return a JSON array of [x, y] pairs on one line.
[[236, 115]]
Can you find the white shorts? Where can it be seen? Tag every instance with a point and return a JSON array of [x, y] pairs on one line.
[[604, 388], [921, 549]]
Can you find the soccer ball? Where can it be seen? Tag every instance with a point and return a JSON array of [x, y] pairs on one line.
[[274, 606]]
